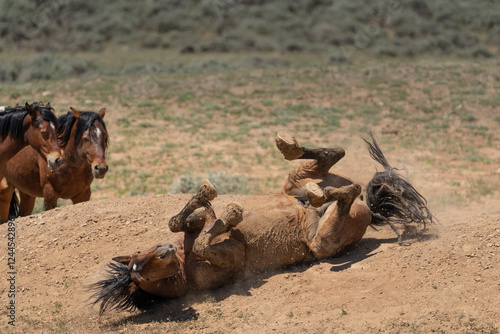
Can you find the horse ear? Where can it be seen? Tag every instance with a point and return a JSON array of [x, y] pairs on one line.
[[48, 105], [76, 113], [31, 111], [102, 112], [122, 259]]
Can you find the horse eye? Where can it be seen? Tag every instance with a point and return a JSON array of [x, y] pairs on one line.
[[45, 134]]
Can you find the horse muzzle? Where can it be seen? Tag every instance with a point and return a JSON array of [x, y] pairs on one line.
[[54, 161], [99, 171]]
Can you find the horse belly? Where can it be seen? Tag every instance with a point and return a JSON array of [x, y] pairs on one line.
[[273, 236]]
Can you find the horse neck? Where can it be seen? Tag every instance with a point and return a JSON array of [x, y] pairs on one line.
[[171, 287], [10, 146]]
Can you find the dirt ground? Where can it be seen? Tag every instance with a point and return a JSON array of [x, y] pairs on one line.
[[445, 282]]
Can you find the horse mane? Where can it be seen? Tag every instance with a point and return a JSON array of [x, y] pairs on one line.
[[11, 119], [85, 122], [119, 292], [391, 197]]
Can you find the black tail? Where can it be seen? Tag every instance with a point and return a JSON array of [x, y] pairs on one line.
[[391, 198], [119, 292], [14, 207]]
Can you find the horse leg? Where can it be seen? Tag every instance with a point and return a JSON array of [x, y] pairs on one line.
[[6, 193], [222, 256], [205, 194], [231, 217], [323, 160], [27, 203], [82, 197], [50, 202], [341, 223]]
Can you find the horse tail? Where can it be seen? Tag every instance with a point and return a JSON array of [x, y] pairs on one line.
[[14, 207], [391, 198], [376, 153]]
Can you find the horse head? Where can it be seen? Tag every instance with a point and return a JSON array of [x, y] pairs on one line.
[[154, 264], [91, 139], [131, 277], [41, 134]]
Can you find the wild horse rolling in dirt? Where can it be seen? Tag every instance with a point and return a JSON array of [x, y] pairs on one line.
[[83, 138], [33, 125], [317, 215]]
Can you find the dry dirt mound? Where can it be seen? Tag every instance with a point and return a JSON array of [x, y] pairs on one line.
[[446, 282]]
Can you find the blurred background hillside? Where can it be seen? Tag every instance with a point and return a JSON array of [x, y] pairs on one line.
[[197, 88], [41, 39]]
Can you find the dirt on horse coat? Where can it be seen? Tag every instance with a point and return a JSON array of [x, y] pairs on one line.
[[252, 234]]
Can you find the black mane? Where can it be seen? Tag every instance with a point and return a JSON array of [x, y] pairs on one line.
[[11, 119], [85, 122], [119, 292]]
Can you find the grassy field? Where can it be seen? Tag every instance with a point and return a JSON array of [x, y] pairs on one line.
[[176, 118]]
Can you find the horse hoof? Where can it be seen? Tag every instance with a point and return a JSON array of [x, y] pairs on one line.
[[233, 214], [315, 195], [288, 146], [207, 191]]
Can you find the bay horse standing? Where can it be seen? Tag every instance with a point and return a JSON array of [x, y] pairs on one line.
[[83, 138], [33, 125]]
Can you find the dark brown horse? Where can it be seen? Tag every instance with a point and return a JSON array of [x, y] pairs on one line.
[[33, 125], [83, 138], [317, 215]]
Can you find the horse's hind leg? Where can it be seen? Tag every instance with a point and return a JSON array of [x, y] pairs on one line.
[[341, 224], [323, 160], [205, 194]]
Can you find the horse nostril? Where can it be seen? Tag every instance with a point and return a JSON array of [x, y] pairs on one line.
[[97, 168], [58, 161]]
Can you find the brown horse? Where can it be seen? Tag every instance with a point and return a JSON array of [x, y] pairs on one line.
[[317, 215], [33, 125], [83, 138], [264, 232]]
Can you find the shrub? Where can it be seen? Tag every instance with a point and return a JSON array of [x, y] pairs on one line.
[[224, 184]]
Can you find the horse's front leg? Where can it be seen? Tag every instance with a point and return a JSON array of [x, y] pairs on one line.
[[82, 197], [219, 256], [339, 223], [205, 194], [6, 193], [26, 204], [215, 254], [50, 197]]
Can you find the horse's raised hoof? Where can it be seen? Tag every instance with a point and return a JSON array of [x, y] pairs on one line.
[[315, 195], [206, 192], [288, 146], [232, 215]]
